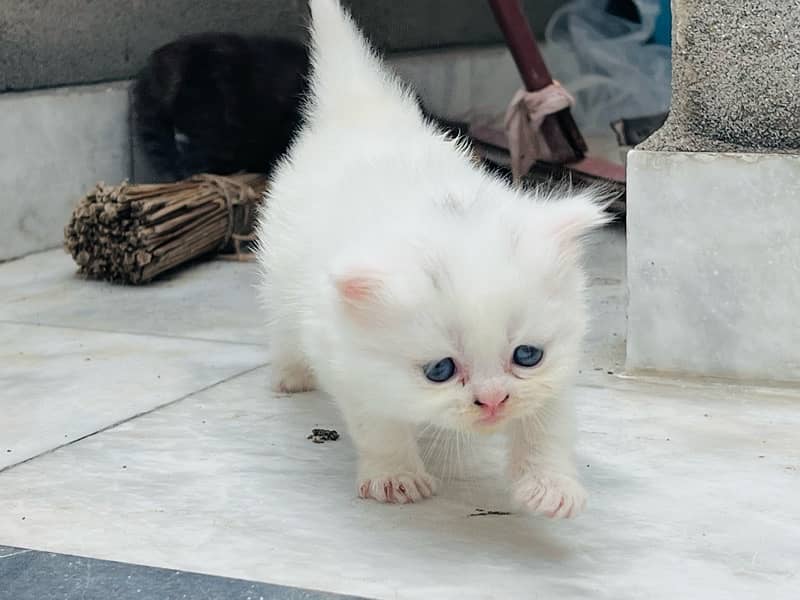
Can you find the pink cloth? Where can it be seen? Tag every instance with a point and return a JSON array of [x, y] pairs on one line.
[[523, 123]]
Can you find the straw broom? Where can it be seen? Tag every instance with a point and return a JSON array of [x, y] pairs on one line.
[[131, 233]]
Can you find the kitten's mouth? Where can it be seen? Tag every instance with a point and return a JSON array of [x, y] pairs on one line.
[[489, 422], [491, 419]]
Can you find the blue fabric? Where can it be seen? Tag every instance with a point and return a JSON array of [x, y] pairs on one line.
[[663, 31]]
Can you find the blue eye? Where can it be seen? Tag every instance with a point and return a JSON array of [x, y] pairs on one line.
[[528, 356], [440, 371]]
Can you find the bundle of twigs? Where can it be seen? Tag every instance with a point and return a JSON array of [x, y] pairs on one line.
[[131, 233]]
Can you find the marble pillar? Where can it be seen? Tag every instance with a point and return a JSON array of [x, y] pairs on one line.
[[714, 201]]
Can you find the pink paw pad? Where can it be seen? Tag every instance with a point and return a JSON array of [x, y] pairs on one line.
[[397, 489]]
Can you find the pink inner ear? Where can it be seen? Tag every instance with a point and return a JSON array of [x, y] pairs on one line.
[[357, 288]]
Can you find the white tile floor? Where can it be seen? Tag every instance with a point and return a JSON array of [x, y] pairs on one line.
[[694, 486]]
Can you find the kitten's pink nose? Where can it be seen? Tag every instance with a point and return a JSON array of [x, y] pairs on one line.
[[491, 401]]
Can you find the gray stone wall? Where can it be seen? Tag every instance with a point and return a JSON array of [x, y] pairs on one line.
[[46, 43]]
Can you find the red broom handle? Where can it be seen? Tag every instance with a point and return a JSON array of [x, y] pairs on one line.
[[566, 142], [517, 31]]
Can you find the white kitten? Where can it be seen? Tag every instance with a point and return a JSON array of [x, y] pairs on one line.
[[415, 288]]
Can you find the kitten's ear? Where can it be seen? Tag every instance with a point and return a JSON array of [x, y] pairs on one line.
[[360, 289], [369, 293], [363, 293], [571, 217]]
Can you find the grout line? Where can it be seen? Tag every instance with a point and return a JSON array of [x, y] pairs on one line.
[[136, 416], [126, 332], [67, 88], [10, 259], [2, 556], [622, 381]]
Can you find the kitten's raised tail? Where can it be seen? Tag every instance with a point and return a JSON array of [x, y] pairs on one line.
[[349, 82]]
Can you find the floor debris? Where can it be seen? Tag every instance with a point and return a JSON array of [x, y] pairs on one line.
[[320, 436]]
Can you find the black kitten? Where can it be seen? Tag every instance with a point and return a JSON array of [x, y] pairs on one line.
[[220, 103]]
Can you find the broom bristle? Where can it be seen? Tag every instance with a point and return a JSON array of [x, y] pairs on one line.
[[131, 233]]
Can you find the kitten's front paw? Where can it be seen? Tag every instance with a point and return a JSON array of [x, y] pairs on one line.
[[551, 494], [294, 379], [402, 488]]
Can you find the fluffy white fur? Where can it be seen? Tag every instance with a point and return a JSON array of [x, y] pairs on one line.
[[384, 247]]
